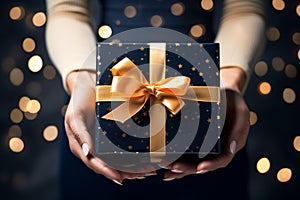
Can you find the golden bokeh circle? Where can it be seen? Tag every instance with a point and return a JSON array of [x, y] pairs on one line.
[[16, 115], [16, 144], [273, 34], [296, 143], [296, 38], [105, 31], [50, 133], [289, 95], [130, 11], [284, 175], [177, 9], [253, 118], [299, 54], [49, 72], [263, 165], [28, 45], [23, 103], [33, 106], [35, 63], [291, 71], [197, 30], [264, 88], [16, 76], [156, 21], [39, 19], [278, 63], [261, 68], [278, 4], [16, 13], [30, 116], [207, 5], [14, 131], [298, 10]]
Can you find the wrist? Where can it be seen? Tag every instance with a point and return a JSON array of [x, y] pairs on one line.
[[233, 78], [84, 78]]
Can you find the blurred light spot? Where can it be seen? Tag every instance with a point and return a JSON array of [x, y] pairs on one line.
[[16, 13], [156, 21], [33, 106], [296, 143], [63, 110], [296, 38], [261, 68], [278, 63], [291, 71], [263, 165], [30, 116], [207, 5], [298, 10], [177, 9], [105, 31], [35, 63], [16, 115], [197, 30], [23, 103], [39, 19], [253, 118], [273, 34], [14, 131], [284, 175], [16, 76], [264, 88], [7, 64], [28, 45], [278, 4], [49, 72], [50, 133], [289, 96], [299, 54], [130, 11], [118, 22], [16, 144]]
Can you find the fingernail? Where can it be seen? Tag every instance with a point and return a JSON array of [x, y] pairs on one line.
[[117, 182], [233, 146], [151, 174], [177, 171], [163, 167], [168, 179], [141, 177], [201, 171], [85, 149]]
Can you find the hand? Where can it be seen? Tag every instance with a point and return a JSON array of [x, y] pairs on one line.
[[234, 133], [79, 122]]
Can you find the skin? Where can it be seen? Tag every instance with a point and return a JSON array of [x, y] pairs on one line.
[[77, 121]]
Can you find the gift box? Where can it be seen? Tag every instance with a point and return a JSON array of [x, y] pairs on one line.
[[156, 101]]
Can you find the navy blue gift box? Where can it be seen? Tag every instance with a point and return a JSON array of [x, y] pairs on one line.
[[186, 131]]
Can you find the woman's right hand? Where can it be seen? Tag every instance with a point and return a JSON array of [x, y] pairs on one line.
[[80, 121]]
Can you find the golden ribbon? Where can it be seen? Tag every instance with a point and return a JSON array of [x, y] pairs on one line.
[[130, 85]]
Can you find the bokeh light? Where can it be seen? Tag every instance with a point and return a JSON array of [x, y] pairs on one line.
[[263, 165], [16, 144], [177, 9], [50, 133], [278, 4], [253, 118], [273, 34], [35, 63], [207, 5], [28, 45], [299, 54], [284, 175], [288, 95], [30, 116], [39, 19], [296, 143], [130, 11], [264, 88], [33, 106], [156, 21], [261, 68], [16, 115], [105, 31], [298, 10], [296, 38], [14, 131], [16, 76], [291, 71], [278, 63], [197, 30], [16, 13], [23, 103], [49, 72]]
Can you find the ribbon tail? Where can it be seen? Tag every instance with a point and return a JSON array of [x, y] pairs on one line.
[[124, 112]]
